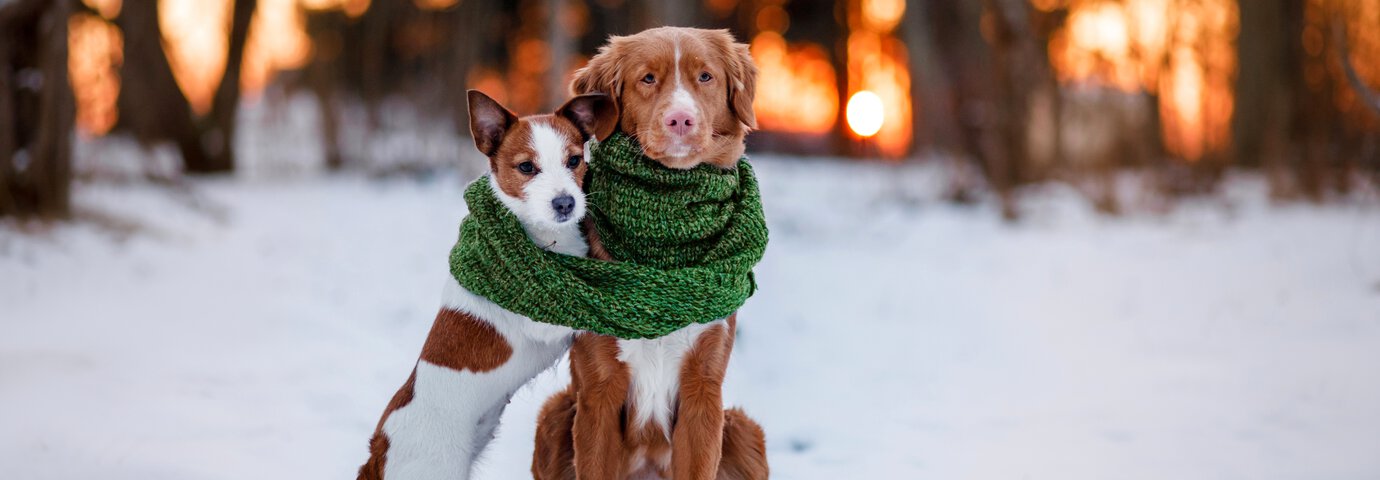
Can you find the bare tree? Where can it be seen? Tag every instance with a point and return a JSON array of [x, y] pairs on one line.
[[218, 128], [153, 107], [1263, 91], [1014, 69], [934, 126]]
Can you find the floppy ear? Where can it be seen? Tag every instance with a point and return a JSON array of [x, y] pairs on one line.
[[742, 84], [594, 114], [603, 73], [489, 121]]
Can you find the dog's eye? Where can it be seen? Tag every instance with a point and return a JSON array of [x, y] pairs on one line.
[[573, 161], [705, 77], [649, 79], [527, 168]]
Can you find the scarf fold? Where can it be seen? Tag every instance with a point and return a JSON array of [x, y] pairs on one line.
[[686, 240]]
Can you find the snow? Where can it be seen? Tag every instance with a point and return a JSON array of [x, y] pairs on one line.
[[255, 328]]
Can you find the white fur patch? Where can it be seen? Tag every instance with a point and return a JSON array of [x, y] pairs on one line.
[[681, 100], [680, 97], [655, 368], [509, 324], [550, 148]]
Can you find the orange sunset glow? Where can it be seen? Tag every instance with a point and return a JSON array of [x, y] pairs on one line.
[[194, 33], [276, 42], [353, 8], [877, 63], [865, 113], [1183, 50], [96, 52], [796, 86]]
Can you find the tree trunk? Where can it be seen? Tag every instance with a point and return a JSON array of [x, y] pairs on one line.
[[1006, 169], [36, 111], [1311, 119], [930, 89], [1262, 102], [9, 143], [151, 105], [376, 34], [843, 140], [476, 24], [218, 130], [559, 42]]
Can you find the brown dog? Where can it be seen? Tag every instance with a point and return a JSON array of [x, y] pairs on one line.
[[654, 408]]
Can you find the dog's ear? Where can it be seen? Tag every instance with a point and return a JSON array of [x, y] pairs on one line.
[[742, 82], [594, 114], [489, 121], [604, 72]]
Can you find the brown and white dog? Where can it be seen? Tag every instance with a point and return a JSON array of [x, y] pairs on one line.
[[654, 408], [478, 354]]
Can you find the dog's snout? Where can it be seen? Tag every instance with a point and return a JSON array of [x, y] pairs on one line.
[[680, 122], [563, 205]]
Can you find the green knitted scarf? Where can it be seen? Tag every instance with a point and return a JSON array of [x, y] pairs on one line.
[[686, 240]]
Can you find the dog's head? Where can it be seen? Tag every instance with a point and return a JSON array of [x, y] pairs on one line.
[[685, 93], [537, 163]]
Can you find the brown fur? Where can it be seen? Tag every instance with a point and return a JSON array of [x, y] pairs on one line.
[[585, 431], [459, 341], [591, 417], [725, 100], [745, 448], [553, 456]]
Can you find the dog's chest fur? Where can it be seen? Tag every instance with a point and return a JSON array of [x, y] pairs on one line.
[[654, 366]]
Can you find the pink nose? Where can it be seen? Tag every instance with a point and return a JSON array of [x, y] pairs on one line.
[[679, 122]]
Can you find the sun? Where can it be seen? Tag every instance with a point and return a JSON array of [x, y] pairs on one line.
[[865, 113]]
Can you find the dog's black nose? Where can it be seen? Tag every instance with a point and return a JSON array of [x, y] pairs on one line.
[[563, 204]]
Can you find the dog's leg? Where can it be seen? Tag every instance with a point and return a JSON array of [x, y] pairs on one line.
[[600, 383], [531, 357], [553, 455], [697, 439], [745, 448]]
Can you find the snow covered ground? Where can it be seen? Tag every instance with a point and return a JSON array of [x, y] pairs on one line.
[[254, 329]]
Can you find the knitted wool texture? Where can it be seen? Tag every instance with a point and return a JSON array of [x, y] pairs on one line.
[[686, 240]]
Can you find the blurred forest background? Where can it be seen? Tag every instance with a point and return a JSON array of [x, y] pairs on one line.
[[1008, 92], [1074, 239]]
